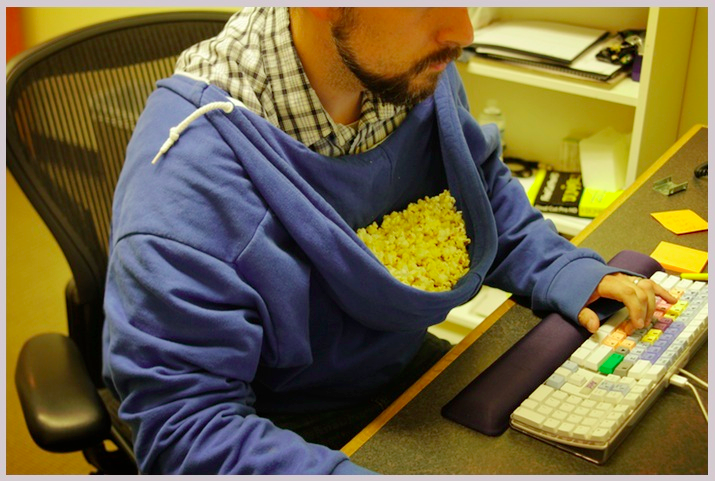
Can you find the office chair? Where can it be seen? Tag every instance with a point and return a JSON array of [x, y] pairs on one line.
[[71, 106]]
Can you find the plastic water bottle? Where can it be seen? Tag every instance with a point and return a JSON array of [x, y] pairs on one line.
[[492, 114]]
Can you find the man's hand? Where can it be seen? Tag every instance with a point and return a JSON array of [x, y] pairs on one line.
[[636, 293]]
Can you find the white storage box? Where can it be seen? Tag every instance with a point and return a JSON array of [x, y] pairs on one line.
[[604, 157]]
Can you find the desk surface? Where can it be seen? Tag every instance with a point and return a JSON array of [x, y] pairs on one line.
[[411, 437]]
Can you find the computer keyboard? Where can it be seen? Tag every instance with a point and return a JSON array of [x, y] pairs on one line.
[[594, 399]]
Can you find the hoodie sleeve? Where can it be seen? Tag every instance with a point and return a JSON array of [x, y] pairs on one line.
[[183, 344], [532, 259]]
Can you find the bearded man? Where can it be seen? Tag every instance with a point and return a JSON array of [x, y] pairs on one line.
[[248, 329]]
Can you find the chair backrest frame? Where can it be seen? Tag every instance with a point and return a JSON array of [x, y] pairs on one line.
[[62, 155]]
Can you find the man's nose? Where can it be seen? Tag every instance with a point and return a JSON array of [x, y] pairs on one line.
[[457, 28]]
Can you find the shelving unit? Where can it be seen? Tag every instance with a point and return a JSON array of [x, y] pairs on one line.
[[624, 92], [542, 108]]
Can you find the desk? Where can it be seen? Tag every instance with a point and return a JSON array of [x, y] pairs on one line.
[[411, 436]]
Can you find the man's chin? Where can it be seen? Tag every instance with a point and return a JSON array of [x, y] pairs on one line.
[[426, 88], [419, 89]]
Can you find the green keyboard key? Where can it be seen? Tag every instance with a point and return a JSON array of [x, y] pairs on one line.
[[609, 365]]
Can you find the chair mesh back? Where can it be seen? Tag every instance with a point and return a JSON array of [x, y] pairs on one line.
[[71, 108]]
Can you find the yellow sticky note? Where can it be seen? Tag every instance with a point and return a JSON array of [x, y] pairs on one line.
[[680, 258], [681, 221]]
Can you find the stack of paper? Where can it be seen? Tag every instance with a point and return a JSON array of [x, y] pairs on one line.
[[560, 48]]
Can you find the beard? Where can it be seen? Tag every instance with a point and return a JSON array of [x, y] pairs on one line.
[[404, 89]]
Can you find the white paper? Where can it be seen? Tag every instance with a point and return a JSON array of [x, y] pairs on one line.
[[549, 39]]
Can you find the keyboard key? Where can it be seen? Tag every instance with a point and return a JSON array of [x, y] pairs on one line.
[[581, 411], [552, 402], [570, 389], [643, 385], [669, 282], [597, 357], [574, 418], [589, 404], [577, 379], [623, 351], [527, 416], [559, 414], [623, 368], [570, 365], [566, 429], [550, 425], [651, 356], [541, 393], [589, 387], [655, 372], [628, 343], [599, 394], [631, 399], [639, 369], [560, 395], [630, 382], [581, 432], [580, 355], [659, 277], [555, 381], [599, 434], [544, 409], [651, 336], [610, 364], [608, 424], [631, 358], [614, 397]]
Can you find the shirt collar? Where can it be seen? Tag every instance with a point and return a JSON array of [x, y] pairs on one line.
[[298, 107]]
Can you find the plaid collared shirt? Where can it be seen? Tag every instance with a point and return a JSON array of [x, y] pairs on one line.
[[255, 61]]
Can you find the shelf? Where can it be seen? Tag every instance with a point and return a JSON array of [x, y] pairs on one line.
[[624, 92]]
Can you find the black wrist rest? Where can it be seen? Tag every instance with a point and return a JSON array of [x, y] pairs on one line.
[[486, 403]]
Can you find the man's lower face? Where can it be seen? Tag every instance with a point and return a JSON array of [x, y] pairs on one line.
[[404, 89], [407, 88]]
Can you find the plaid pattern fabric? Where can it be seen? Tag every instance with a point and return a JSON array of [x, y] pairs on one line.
[[255, 61]]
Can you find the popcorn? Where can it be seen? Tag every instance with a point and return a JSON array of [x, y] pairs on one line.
[[424, 246]]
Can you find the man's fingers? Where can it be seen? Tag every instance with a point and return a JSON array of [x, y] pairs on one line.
[[645, 295], [637, 294], [665, 294], [588, 319]]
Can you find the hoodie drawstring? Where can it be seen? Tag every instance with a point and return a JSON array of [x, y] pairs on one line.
[[175, 132]]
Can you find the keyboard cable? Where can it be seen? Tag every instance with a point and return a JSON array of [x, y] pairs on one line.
[[693, 377], [681, 381]]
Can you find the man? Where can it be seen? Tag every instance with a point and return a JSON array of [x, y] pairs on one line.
[[248, 329]]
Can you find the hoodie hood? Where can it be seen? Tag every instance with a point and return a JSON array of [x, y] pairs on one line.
[[314, 198]]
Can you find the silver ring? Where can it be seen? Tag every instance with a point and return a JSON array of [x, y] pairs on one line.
[[636, 280]]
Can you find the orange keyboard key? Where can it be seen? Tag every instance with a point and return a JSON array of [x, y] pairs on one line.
[[675, 292], [628, 344]]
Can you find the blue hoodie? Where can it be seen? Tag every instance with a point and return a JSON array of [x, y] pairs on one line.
[[235, 269]]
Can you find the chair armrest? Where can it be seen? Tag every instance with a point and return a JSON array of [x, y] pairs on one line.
[[62, 408]]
